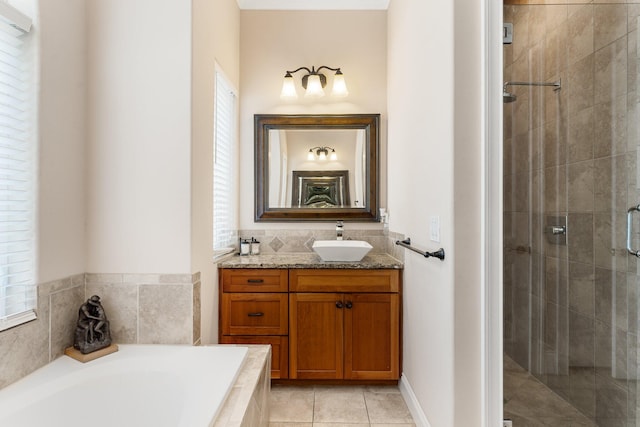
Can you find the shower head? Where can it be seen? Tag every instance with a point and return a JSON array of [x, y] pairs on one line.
[[508, 97]]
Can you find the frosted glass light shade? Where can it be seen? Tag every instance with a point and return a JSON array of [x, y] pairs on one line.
[[333, 156], [314, 87], [288, 88], [339, 86], [310, 156], [322, 155]]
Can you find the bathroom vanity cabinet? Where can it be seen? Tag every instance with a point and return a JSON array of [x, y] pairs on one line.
[[344, 324], [323, 324]]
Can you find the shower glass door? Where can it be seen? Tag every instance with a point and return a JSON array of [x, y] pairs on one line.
[[570, 175]]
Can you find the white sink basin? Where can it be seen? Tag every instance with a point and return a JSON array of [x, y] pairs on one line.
[[341, 250]]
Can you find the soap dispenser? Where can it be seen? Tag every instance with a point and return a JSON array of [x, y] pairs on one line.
[[255, 247], [245, 246]]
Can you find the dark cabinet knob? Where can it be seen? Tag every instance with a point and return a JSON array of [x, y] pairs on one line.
[[339, 304], [257, 314], [255, 280], [349, 304]]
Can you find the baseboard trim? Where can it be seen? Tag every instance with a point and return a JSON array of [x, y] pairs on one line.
[[412, 403]]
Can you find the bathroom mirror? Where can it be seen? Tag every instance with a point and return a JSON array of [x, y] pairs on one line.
[[316, 167]]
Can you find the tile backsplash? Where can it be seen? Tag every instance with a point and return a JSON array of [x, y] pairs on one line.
[[273, 241]]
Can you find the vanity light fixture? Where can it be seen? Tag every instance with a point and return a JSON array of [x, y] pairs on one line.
[[322, 153], [314, 82]]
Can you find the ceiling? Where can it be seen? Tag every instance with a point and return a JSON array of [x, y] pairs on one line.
[[314, 4]]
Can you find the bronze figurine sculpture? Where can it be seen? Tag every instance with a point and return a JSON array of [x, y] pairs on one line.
[[92, 330]]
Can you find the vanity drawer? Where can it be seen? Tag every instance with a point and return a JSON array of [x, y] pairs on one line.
[[338, 280], [255, 314], [279, 351], [254, 280]]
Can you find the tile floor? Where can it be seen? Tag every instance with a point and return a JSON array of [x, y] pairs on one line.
[[332, 406], [528, 402]]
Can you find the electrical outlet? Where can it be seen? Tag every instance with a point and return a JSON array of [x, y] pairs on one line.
[[434, 229], [507, 423]]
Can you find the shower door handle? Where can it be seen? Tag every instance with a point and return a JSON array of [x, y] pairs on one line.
[[557, 230], [630, 212]]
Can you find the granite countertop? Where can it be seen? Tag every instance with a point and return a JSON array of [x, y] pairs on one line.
[[310, 260]]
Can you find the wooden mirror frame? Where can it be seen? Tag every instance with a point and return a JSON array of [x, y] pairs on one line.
[[263, 123]]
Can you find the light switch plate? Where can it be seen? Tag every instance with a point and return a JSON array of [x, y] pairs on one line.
[[507, 423], [434, 228]]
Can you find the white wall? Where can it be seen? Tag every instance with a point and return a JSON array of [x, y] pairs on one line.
[[469, 193], [420, 88], [62, 115], [435, 128], [275, 41], [139, 136], [216, 38]]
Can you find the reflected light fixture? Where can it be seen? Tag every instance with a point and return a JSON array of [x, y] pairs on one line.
[[314, 82], [322, 153]]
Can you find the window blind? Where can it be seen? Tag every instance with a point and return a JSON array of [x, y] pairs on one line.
[[224, 167], [18, 291]]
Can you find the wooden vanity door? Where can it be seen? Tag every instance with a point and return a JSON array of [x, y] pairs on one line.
[[372, 338], [315, 336]]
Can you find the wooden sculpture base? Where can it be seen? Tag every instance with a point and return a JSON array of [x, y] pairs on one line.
[[84, 358]]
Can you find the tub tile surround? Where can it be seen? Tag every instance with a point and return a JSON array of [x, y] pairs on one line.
[[149, 308], [30, 346], [141, 308], [247, 404], [197, 309], [64, 304]]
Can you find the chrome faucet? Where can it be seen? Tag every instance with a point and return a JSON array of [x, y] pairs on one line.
[[339, 229]]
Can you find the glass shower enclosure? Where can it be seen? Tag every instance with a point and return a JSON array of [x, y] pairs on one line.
[[571, 188]]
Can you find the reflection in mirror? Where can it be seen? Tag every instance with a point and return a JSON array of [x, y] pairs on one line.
[[291, 151], [320, 189], [316, 167]]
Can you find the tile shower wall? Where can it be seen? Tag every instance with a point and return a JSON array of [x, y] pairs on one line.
[[570, 311], [144, 309]]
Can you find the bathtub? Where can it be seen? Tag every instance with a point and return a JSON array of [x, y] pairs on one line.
[[140, 385]]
